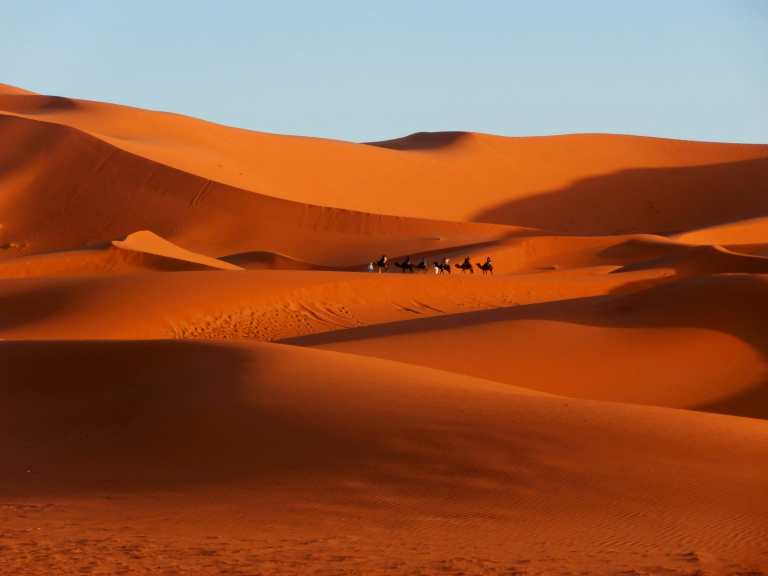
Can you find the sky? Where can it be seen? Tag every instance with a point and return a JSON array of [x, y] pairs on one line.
[[363, 70]]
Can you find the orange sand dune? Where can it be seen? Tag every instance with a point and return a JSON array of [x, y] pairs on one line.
[[65, 189], [537, 254], [8, 90], [750, 231], [266, 305], [701, 260], [140, 252], [271, 261], [759, 249], [530, 254], [546, 253], [585, 183], [194, 457], [699, 343], [477, 441]]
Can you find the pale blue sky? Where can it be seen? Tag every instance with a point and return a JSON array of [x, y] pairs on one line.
[[363, 70]]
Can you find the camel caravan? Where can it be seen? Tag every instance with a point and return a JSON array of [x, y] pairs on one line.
[[440, 267]]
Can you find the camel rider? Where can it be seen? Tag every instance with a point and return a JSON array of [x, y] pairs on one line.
[[407, 261], [488, 261], [445, 261], [466, 260], [384, 259], [424, 261]]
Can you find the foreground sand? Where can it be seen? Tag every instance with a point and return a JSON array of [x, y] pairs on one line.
[[198, 379], [190, 454]]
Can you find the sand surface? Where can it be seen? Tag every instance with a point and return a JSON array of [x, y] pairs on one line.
[[200, 377]]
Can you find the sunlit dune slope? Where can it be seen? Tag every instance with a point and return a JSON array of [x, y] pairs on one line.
[[698, 343], [750, 231], [584, 183], [265, 305], [456, 466], [8, 90]]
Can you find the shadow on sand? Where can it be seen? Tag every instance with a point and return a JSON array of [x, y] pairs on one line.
[[646, 200]]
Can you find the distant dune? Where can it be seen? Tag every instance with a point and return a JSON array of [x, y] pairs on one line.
[[589, 183], [200, 376]]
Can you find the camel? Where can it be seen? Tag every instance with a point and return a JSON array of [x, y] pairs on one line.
[[464, 266], [443, 267], [382, 264], [486, 268], [421, 266], [405, 266]]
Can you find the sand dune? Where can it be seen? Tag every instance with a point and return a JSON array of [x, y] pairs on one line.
[[566, 184], [701, 260], [700, 342], [266, 305], [65, 189], [598, 405], [536, 254], [749, 231], [446, 468], [137, 253], [271, 261]]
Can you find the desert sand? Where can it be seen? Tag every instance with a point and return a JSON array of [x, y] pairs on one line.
[[200, 376]]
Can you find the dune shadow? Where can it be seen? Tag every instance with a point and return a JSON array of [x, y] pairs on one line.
[[420, 141], [89, 417], [29, 304], [752, 403], [645, 200], [135, 415]]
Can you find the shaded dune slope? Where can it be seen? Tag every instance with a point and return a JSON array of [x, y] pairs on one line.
[[702, 260], [224, 417], [698, 343]]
